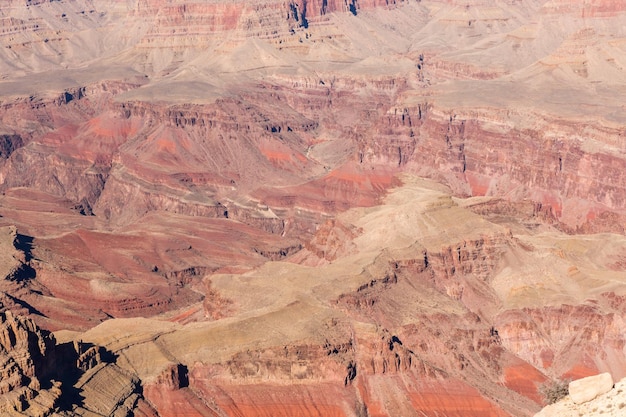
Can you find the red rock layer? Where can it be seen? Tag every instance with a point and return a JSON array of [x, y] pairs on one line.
[[347, 186], [560, 176], [268, 400], [177, 403], [182, 190], [474, 160], [525, 380], [539, 335], [452, 399]]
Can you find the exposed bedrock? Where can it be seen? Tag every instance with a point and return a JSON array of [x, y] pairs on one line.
[[590, 335], [41, 377], [246, 174], [435, 346], [37, 29], [570, 178], [265, 19], [268, 167], [521, 348], [9, 144], [61, 175], [225, 149]]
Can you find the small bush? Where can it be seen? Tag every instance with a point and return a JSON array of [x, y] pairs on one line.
[[553, 391]]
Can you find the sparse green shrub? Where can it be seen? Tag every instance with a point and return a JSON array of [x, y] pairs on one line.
[[553, 391]]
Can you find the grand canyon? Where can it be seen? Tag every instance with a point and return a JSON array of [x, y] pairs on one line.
[[309, 207]]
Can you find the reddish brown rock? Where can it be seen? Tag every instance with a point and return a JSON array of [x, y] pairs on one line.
[[26, 358], [524, 379], [557, 326], [321, 399], [175, 403], [240, 171]]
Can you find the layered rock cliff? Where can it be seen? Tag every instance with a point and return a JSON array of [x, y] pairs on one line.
[[251, 177], [41, 377]]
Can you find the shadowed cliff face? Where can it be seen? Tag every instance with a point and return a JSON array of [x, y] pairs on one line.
[[43, 377], [314, 207]]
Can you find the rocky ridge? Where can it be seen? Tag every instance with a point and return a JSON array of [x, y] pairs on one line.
[[38, 373], [230, 169], [611, 404], [25, 350]]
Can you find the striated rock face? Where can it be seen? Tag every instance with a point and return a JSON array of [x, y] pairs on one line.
[[17, 256], [310, 207], [26, 352], [25, 345], [422, 325], [38, 374], [173, 377]]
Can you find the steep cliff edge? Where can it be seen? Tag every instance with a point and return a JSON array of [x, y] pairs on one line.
[[41, 377], [25, 350]]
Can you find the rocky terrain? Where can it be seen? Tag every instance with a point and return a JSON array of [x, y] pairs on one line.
[[610, 403], [356, 208]]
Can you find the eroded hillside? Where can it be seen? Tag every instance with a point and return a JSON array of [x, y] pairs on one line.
[[314, 207]]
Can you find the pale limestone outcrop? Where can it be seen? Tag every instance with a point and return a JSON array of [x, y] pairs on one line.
[[586, 389], [608, 404]]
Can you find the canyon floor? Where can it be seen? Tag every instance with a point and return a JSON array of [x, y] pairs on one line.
[[309, 208]]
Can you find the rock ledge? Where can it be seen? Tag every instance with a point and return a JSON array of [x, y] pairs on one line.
[[608, 404]]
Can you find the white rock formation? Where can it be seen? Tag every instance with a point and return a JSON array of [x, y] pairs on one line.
[[609, 404], [586, 389]]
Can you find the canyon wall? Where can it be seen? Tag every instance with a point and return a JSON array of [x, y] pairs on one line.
[[307, 207]]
